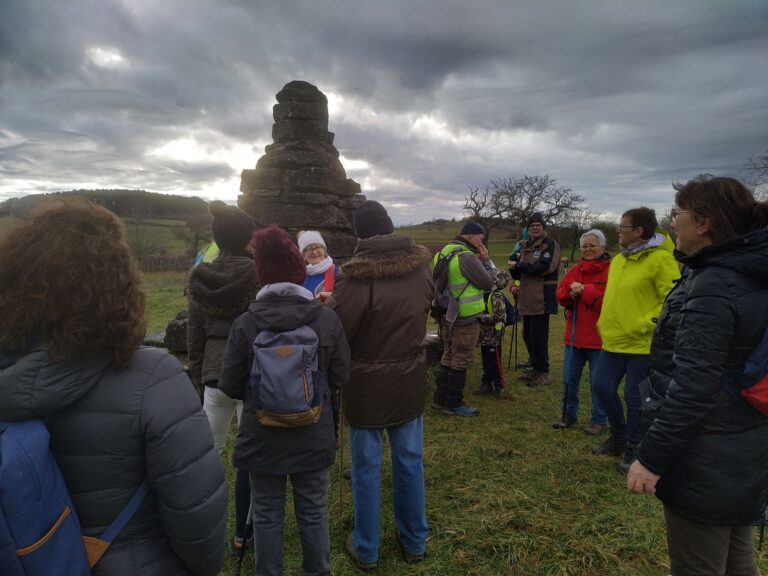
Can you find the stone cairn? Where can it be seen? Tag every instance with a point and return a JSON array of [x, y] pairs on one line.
[[300, 183]]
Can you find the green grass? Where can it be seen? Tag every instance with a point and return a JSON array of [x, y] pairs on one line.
[[506, 493], [165, 298]]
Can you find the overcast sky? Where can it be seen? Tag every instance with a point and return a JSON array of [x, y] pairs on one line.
[[615, 99]]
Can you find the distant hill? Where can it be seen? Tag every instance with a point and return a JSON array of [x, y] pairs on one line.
[[124, 203]]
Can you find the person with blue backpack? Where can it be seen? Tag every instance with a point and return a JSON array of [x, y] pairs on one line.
[[107, 464], [282, 357], [704, 451]]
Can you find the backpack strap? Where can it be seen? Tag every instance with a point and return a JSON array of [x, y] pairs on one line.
[[96, 547], [328, 279]]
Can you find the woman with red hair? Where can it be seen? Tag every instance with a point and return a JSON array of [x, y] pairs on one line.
[[270, 453]]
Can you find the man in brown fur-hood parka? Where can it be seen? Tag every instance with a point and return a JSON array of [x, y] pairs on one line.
[[383, 297]]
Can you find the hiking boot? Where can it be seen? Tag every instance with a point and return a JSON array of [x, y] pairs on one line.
[[462, 410], [542, 379], [595, 429], [630, 455], [497, 389], [349, 546], [524, 365], [409, 558], [441, 383], [529, 375], [612, 446], [484, 390], [567, 423]]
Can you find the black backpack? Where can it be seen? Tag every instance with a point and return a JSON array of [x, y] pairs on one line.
[[442, 295]]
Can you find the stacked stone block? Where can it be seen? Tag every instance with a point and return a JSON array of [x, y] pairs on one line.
[[299, 183]]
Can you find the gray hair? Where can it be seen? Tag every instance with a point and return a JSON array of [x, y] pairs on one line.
[[596, 233]]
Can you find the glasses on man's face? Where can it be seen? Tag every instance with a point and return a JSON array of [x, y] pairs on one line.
[[675, 212], [590, 246]]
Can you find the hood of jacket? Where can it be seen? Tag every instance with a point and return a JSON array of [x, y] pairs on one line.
[[596, 265], [284, 306], [35, 387], [224, 287], [747, 254], [385, 257]]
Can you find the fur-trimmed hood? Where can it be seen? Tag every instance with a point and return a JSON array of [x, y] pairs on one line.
[[385, 257], [225, 287]]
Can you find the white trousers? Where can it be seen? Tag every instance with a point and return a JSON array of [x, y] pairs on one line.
[[220, 408]]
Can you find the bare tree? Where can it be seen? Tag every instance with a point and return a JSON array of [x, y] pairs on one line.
[[485, 207], [142, 238], [577, 222], [514, 199], [757, 166], [195, 233]]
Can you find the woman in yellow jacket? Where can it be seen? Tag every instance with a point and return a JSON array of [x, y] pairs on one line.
[[639, 280]]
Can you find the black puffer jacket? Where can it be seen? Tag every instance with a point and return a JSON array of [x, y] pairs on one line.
[[266, 450], [112, 429], [710, 448], [218, 293]]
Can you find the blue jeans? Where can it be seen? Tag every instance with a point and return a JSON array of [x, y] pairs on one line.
[[611, 368], [405, 441], [310, 498], [573, 366]]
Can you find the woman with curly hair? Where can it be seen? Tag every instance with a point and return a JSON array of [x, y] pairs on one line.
[[73, 320]]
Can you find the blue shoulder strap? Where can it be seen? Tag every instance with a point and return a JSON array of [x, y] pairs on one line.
[[122, 519]]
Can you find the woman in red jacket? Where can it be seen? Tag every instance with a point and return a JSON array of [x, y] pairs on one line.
[[580, 292]]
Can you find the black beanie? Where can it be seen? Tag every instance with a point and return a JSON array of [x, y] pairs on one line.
[[232, 228], [537, 217], [471, 227], [371, 219]]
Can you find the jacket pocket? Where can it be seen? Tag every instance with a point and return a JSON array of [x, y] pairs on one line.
[[651, 403]]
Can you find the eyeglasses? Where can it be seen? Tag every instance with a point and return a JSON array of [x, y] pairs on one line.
[[675, 212], [589, 246], [314, 248]]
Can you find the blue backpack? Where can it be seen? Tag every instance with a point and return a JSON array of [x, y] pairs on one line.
[[286, 382], [40, 534]]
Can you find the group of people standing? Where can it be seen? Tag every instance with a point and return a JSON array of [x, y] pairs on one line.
[[121, 416], [678, 342], [370, 325]]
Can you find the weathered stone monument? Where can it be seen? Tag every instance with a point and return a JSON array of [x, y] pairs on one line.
[[300, 183]]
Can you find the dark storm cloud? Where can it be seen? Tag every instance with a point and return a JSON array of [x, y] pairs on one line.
[[615, 99]]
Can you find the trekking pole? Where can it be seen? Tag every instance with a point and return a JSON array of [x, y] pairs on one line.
[[341, 453], [569, 363], [517, 336], [248, 522]]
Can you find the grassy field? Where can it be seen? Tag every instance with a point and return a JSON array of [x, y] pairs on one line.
[[506, 493]]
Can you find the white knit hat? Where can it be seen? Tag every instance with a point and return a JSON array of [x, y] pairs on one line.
[[309, 237]]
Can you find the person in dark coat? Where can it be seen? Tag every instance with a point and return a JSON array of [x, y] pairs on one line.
[[219, 292], [117, 414], [705, 453], [272, 454], [536, 266], [383, 298]]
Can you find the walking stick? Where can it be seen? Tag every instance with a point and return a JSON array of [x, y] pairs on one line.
[[567, 371], [341, 453], [517, 336], [248, 522]]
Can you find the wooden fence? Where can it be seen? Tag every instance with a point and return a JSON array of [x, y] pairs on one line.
[[166, 263]]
